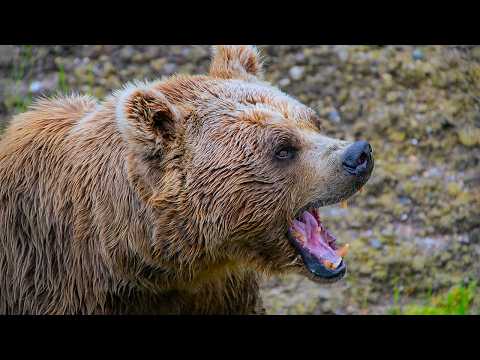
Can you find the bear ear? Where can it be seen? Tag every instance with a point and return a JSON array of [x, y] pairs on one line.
[[235, 61], [147, 118]]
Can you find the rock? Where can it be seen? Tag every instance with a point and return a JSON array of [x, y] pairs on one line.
[[98, 92], [475, 236], [113, 82], [380, 275], [36, 87], [334, 116], [375, 243], [417, 54], [387, 80], [186, 69], [7, 54], [454, 189], [300, 57], [397, 136], [343, 55], [392, 96], [109, 69], [284, 82], [80, 72], [169, 68], [433, 172], [127, 53], [158, 64], [296, 72], [138, 58], [366, 268], [469, 137]]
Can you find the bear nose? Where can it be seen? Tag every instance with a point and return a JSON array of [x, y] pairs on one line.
[[357, 158]]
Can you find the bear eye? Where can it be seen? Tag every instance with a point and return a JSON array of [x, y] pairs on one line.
[[285, 153]]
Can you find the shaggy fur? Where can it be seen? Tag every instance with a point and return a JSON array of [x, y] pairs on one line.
[[164, 198]]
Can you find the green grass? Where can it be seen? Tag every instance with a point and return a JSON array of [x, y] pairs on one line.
[[17, 102], [62, 82], [90, 79], [457, 301]]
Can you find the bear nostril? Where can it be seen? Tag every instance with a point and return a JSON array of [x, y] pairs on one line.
[[357, 159]]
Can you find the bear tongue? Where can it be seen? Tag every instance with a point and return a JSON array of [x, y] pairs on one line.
[[315, 238]]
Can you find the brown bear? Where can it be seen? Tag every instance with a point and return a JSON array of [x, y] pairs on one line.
[[169, 197]]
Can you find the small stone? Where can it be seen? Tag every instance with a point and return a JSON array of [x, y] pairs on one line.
[[388, 80], [36, 87], [343, 55], [418, 263], [138, 58], [380, 275], [169, 68], [392, 96], [113, 82], [404, 200], [375, 243], [334, 116], [158, 64], [80, 72], [98, 92], [422, 108], [469, 136], [464, 239], [343, 96], [186, 51], [397, 136], [186, 69], [454, 189], [127, 53], [476, 53], [109, 69], [284, 82], [366, 268], [296, 72], [417, 54], [7, 54], [299, 57]]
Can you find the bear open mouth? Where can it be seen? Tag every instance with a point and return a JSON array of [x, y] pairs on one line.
[[317, 246]]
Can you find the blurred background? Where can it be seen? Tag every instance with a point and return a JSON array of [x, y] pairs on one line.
[[415, 229]]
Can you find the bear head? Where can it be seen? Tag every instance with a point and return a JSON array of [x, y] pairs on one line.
[[236, 169]]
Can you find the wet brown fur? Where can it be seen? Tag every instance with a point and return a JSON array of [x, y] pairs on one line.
[[170, 209]]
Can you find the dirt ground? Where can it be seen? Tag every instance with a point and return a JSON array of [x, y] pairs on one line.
[[414, 230]]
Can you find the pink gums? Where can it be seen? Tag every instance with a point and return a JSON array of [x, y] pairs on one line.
[[315, 238]]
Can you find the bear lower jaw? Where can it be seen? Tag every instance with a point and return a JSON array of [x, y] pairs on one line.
[[310, 267], [321, 261]]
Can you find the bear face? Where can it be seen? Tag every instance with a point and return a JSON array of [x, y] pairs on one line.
[[229, 163]]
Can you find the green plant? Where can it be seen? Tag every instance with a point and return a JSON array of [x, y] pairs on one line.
[[62, 83], [16, 101], [395, 310], [457, 301]]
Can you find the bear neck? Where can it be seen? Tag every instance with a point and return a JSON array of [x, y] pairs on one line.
[[181, 255]]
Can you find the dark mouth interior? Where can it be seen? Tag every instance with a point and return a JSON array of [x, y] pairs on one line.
[[362, 159], [316, 245]]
